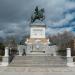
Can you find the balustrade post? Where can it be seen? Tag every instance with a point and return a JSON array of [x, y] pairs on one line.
[[69, 58]]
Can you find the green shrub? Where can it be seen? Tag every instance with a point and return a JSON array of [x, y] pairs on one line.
[[62, 52], [2, 49]]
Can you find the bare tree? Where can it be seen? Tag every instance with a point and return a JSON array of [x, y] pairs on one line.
[[62, 40], [11, 42], [22, 42]]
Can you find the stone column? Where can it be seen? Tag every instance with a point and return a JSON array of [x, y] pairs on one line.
[[5, 58], [68, 52], [6, 51], [69, 58]]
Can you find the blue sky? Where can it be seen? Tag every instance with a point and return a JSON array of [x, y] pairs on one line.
[[15, 16]]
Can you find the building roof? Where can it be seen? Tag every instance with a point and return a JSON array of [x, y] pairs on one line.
[[38, 23]]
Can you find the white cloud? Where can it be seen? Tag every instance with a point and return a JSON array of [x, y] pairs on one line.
[[2, 34], [65, 20], [51, 31], [70, 5], [62, 19]]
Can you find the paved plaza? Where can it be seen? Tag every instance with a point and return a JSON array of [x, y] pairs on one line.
[[36, 71]]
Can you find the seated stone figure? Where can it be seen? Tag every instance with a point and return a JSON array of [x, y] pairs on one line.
[[24, 52]]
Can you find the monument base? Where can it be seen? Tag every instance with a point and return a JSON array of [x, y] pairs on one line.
[[5, 61], [70, 64], [4, 64]]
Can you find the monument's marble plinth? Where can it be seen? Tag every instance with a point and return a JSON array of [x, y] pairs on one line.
[[38, 43]]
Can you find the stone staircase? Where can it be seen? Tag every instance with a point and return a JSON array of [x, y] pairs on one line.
[[38, 61]]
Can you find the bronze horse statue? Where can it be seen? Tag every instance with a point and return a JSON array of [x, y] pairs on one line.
[[38, 14]]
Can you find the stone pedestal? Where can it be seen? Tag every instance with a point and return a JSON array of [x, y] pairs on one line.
[[70, 62], [54, 54], [5, 59], [69, 58]]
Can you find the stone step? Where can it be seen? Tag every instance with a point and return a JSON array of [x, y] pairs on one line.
[[37, 65], [37, 62], [39, 59], [30, 57], [32, 60], [43, 61]]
